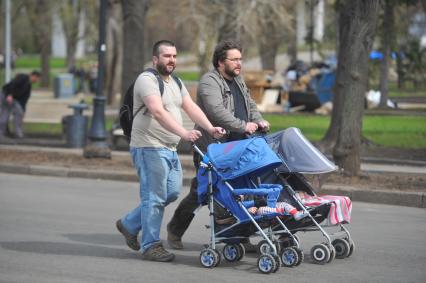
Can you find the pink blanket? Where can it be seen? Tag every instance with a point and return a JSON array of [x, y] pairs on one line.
[[340, 206]]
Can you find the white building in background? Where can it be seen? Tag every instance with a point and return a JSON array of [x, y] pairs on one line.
[[319, 20], [59, 47], [303, 14]]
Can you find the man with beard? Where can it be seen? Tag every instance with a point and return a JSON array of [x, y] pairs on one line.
[[156, 131], [224, 97]]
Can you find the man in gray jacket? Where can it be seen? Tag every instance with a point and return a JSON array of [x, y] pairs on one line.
[[225, 99]]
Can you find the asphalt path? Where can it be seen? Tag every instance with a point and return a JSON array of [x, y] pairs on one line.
[[62, 230]]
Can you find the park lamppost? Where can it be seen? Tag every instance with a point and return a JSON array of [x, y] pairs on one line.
[[97, 145], [7, 40]]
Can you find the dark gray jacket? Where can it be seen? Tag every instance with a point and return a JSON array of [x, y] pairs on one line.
[[215, 99]]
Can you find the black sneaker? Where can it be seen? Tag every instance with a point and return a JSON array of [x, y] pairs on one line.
[[131, 240], [174, 241], [158, 253]]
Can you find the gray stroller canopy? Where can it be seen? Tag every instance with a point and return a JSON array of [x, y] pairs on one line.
[[298, 154]]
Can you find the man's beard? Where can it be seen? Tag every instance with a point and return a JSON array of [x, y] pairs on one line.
[[162, 69], [231, 73]]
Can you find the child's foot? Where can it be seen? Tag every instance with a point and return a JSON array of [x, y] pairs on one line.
[[300, 214]]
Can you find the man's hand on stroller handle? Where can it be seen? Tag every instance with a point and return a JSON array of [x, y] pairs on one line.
[[261, 126], [217, 132], [192, 135], [264, 126]]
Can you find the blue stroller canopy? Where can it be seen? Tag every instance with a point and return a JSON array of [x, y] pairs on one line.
[[238, 158], [297, 153]]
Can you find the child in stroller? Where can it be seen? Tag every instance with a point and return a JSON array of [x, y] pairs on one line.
[[300, 157], [225, 179]]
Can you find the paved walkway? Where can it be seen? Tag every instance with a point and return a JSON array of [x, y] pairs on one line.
[[406, 198], [43, 107]]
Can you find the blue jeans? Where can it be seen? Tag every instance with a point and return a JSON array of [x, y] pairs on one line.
[[160, 178]]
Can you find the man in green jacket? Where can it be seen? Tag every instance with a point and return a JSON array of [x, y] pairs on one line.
[[225, 99]]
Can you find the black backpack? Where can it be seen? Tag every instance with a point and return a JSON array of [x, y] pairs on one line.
[[126, 110]]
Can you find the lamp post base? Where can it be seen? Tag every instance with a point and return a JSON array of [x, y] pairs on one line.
[[97, 149]]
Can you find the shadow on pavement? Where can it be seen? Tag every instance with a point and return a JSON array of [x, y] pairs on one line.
[[58, 248]]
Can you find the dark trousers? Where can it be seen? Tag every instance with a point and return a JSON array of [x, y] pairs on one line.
[[184, 213]]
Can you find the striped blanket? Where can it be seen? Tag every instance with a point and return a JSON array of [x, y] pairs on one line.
[[340, 206]]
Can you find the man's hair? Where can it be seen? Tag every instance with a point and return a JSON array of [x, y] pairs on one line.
[[36, 73], [156, 46], [219, 54]]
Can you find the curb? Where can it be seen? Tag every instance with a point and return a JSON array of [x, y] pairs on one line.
[[411, 199]]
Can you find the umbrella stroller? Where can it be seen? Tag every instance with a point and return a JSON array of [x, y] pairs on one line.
[[300, 157], [225, 179]]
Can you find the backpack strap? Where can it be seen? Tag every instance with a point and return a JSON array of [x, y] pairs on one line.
[[160, 85], [178, 81], [159, 79]]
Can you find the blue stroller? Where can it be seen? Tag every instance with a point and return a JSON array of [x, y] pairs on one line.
[[227, 177], [300, 157]]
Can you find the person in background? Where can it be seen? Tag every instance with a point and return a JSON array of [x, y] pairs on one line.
[[13, 100]]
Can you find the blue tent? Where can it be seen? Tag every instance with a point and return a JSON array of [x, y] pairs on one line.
[[238, 158]]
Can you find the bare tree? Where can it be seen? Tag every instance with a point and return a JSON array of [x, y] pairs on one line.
[[269, 21], [273, 21], [71, 12], [40, 16], [114, 53], [204, 16], [358, 21], [229, 27], [134, 12], [388, 34]]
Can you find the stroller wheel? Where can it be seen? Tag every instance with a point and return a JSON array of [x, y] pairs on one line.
[[320, 254], [232, 252], [242, 251], [263, 247], [266, 263], [342, 248], [289, 257], [352, 247], [332, 253], [209, 258], [219, 257], [300, 254], [278, 265]]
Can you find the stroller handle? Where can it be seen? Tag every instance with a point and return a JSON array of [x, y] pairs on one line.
[[258, 133], [197, 149]]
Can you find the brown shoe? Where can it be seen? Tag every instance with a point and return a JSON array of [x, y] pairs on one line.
[[175, 242], [158, 253], [131, 240]]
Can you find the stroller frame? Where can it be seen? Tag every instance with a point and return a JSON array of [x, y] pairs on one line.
[[209, 256]]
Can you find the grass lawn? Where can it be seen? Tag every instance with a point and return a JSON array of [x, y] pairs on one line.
[[390, 131]]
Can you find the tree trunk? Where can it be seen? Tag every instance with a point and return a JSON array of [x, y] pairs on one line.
[[70, 13], [330, 138], [292, 42], [388, 32], [268, 51], [228, 28], [39, 14], [134, 12], [358, 24], [114, 54], [270, 37]]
